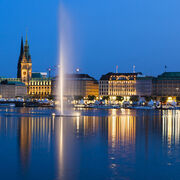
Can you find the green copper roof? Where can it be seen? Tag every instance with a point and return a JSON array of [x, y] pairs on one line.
[[15, 83], [36, 75], [6, 82], [145, 78], [169, 75]]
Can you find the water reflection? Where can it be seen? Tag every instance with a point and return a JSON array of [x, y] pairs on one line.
[[60, 148], [25, 129], [85, 126], [70, 147], [32, 131], [121, 139], [121, 129], [171, 127]]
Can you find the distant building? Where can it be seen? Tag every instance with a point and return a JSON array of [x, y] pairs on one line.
[[144, 86], [12, 89], [10, 79], [24, 69], [40, 86], [167, 84], [39, 75], [78, 85], [118, 84]]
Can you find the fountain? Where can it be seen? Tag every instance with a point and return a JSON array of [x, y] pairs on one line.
[[62, 110], [60, 89]]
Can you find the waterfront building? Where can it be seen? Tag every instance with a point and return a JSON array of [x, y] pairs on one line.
[[118, 84], [12, 89], [81, 85], [40, 86], [10, 79], [144, 85], [167, 85], [24, 69], [111, 84]]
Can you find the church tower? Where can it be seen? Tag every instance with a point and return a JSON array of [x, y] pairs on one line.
[[20, 59], [24, 71]]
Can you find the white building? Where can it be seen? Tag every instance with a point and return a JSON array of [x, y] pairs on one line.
[[118, 84]]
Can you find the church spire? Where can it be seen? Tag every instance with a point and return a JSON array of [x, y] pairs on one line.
[[24, 71], [26, 51], [26, 42], [22, 47], [20, 58]]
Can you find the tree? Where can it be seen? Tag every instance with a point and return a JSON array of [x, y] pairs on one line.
[[91, 97], [147, 98], [105, 97], [119, 98], [77, 98], [163, 99], [178, 98], [134, 98], [35, 96]]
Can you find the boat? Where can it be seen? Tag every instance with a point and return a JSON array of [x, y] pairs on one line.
[[7, 105]]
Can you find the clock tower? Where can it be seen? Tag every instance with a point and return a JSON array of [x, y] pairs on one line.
[[24, 71]]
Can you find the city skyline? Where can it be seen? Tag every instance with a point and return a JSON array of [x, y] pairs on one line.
[[112, 34], [89, 89]]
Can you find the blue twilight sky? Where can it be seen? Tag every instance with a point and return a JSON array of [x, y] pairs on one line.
[[105, 33]]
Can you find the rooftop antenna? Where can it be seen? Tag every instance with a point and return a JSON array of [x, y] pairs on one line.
[[26, 33], [116, 68], [77, 70], [165, 67], [49, 71], [134, 69]]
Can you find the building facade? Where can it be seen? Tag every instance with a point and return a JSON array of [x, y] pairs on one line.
[[118, 84], [167, 85], [144, 86], [40, 86], [12, 89], [78, 85]]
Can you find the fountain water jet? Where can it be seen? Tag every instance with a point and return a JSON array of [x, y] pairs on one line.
[[61, 67], [61, 85], [60, 92]]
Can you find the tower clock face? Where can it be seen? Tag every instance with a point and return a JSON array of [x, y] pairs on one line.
[[24, 73]]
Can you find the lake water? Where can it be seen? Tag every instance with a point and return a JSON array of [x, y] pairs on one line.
[[101, 144]]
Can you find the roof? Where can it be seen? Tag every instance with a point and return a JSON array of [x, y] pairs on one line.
[[10, 79], [6, 82], [41, 79], [108, 75], [169, 76], [80, 77], [145, 78], [36, 75], [39, 75]]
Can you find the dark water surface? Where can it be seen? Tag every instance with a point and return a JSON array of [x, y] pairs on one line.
[[102, 144]]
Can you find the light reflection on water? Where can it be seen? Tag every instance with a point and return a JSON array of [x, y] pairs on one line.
[[126, 144], [171, 127]]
